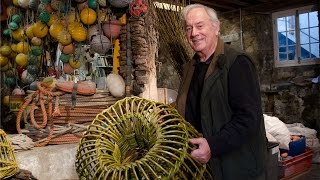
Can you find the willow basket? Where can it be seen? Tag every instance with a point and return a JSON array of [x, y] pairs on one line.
[[8, 163], [138, 139]]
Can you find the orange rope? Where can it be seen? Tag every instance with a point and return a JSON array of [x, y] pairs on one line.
[[22, 108], [44, 114], [59, 115], [41, 92]]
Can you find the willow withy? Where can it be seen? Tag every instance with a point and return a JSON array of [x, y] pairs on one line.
[[169, 24], [138, 139]]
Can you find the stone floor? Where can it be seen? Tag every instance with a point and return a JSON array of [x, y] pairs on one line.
[[57, 162]]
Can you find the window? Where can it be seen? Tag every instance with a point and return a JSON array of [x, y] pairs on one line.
[[296, 37]]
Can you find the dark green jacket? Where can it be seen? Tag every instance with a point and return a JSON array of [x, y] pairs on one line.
[[248, 161]]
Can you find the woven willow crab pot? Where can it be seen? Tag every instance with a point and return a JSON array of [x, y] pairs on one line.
[[8, 163], [138, 139]]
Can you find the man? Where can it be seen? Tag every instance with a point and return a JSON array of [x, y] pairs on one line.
[[220, 97]]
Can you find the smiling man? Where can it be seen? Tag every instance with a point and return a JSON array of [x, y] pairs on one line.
[[220, 96]]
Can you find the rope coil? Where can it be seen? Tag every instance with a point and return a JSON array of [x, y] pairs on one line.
[[59, 123]]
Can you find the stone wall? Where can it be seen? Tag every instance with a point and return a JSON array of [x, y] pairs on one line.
[[286, 91]]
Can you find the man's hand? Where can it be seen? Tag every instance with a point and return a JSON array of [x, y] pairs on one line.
[[203, 153]]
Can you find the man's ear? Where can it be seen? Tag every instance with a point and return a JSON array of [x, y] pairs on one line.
[[216, 26]]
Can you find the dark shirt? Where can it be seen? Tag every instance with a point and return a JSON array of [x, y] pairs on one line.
[[192, 113], [243, 94]]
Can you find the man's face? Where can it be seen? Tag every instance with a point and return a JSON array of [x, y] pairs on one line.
[[200, 30]]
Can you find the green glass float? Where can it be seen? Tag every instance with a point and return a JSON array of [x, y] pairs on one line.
[[13, 26], [138, 139], [33, 4], [64, 58], [93, 4], [32, 59], [29, 79], [7, 32], [36, 50], [32, 69], [44, 16], [10, 81], [16, 18]]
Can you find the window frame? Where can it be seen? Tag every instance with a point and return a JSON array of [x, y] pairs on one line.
[[296, 62]]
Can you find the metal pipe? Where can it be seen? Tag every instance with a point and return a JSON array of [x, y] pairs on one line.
[[241, 37]]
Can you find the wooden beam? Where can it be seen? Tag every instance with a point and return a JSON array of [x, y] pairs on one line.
[[237, 2], [212, 4], [278, 6]]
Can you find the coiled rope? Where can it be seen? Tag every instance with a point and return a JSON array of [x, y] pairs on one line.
[[39, 95]]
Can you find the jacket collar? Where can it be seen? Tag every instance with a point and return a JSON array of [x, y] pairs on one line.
[[188, 73], [218, 52]]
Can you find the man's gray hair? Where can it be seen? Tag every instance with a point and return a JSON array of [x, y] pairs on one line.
[[211, 12]]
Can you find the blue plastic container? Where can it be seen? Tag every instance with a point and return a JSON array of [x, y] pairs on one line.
[[297, 147]]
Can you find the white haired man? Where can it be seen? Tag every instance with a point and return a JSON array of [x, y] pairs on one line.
[[220, 96]]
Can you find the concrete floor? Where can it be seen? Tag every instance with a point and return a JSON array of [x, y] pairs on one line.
[[56, 162]]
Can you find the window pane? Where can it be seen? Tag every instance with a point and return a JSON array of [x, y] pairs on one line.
[[283, 50], [282, 39], [303, 20], [281, 22], [282, 53], [304, 36], [290, 23], [291, 35], [315, 50], [305, 51], [313, 17], [291, 52], [314, 34], [282, 57]]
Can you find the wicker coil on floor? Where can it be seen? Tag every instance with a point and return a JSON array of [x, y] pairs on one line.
[[8, 163], [138, 139]]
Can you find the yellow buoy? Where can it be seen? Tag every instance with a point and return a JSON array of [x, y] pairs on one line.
[[18, 34], [40, 29], [88, 16], [29, 31], [75, 64], [6, 67], [55, 29], [3, 60], [23, 47], [79, 34], [6, 101], [22, 59], [64, 37], [5, 50]]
